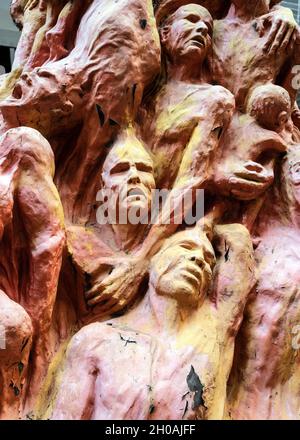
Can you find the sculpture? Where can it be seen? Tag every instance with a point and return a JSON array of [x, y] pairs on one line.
[[191, 137], [176, 332], [242, 40], [128, 176], [270, 361], [27, 169], [173, 95]]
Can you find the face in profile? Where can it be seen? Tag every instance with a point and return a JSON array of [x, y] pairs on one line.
[[187, 34], [271, 106], [38, 101], [183, 268], [128, 171]]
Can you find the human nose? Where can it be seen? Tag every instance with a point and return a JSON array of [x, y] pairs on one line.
[[199, 260], [202, 29], [133, 177], [26, 78]]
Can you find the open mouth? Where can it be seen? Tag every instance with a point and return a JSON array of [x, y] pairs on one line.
[[192, 274], [197, 41], [135, 194], [17, 91]]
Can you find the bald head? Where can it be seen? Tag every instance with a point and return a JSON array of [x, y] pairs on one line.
[[270, 105], [128, 172], [186, 35]]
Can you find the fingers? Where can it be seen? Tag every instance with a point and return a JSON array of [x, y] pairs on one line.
[[98, 288], [246, 195], [260, 25], [116, 290], [287, 38], [282, 36], [243, 189], [292, 41], [279, 38], [104, 304], [254, 172], [272, 34], [32, 4], [252, 176], [115, 277], [108, 302], [101, 293]]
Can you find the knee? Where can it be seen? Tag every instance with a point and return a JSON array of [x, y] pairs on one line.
[[15, 329], [27, 145]]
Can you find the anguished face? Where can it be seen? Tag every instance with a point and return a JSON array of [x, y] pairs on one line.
[[183, 268], [128, 171], [39, 101], [187, 34]]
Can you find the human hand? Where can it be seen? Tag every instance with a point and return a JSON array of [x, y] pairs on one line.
[[282, 29], [116, 290], [245, 181]]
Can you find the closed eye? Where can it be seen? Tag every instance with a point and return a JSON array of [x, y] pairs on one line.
[[146, 168], [120, 168], [209, 27], [193, 18], [45, 74], [188, 245]]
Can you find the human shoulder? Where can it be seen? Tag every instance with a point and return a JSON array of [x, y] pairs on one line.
[[217, 96], [222, 94]]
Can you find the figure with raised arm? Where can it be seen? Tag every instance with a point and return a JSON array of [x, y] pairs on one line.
[[176, 345], [32, 236]]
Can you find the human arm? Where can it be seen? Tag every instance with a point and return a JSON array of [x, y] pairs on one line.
[[194, 171], [234, 276]]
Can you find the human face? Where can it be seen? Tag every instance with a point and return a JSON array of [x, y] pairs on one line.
[[187, 34], [128, 171], [37, 101], [184, 268], [270, 105]]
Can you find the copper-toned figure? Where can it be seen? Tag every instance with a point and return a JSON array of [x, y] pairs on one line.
[[161, 318]]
